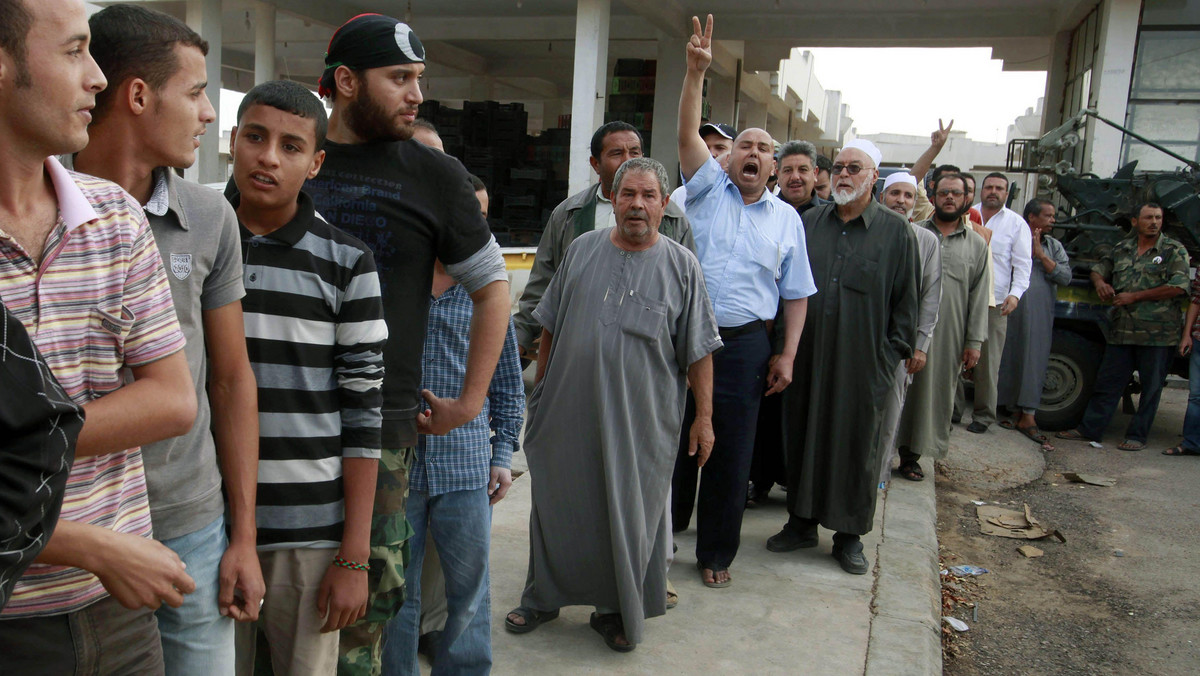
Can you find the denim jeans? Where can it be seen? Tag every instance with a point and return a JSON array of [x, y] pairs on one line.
[[196, 639], [461, 524], [1119, 363], [1191, 420], [103, 638]]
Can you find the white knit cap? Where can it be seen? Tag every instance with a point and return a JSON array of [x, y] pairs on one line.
[[867, 147], [901, 177]]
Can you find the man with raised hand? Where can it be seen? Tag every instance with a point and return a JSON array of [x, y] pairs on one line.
[[751, 248]]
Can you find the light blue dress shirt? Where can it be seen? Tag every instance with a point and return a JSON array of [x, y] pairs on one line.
[[752, 254]]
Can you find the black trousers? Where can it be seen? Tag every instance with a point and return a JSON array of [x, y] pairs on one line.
[[767, 468], [739, 374]]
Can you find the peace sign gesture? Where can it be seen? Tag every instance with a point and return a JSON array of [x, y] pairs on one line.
[[699, 49], [939, 137]]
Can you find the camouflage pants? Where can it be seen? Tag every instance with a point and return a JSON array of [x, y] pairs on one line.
[[361, 644]]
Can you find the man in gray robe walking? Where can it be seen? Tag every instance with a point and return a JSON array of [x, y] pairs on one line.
[[861, 323], [626, 325]]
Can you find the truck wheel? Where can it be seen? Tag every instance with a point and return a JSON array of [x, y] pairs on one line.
[[1070, 376]]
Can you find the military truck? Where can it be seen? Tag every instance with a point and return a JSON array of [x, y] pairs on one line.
[[1093, 215]]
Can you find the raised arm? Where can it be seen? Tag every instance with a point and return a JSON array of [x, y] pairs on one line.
[[693, 153], [937, 141]]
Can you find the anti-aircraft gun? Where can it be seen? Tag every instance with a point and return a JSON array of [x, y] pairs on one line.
[[1094, 213]]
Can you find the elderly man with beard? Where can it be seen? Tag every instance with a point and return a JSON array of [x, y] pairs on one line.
[[411, 205], [899, 195], [961, 329], [751, 247], [626, 325], [797, 171], [863, 323]]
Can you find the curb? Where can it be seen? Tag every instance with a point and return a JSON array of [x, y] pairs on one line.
[[905, 635]]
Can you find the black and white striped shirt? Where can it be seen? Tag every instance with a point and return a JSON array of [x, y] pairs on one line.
[[315, 332]]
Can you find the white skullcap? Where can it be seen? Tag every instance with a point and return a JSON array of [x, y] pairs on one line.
[[901, 177], [868, 148]]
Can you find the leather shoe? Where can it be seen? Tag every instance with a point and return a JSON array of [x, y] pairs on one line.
[[851, 558], [789, 539], [977, 427]]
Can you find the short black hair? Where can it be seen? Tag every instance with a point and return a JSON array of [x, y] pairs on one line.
[[824, 164], [996, 174], [949, 176], [612, 128], [944, 169], [422, 123], [15, 22], [1035, 206], [1137, 210], [290, 97], [476, 183], [967, 176], [132, 41]]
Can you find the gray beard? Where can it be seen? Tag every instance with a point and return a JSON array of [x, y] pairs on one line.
[[842, 198]]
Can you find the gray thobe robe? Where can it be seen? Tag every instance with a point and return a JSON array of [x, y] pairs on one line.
[[962, 324], [605, 420], [927, 316], [1031, 331], [861, 322]]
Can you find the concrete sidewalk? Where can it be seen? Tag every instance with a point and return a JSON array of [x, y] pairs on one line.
[[795, 613]]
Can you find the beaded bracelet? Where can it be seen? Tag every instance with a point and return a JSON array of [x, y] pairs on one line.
[[350, 565]]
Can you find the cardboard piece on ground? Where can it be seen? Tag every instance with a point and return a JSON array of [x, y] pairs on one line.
[[1006, 523], [1092, 479], [1030, 552]]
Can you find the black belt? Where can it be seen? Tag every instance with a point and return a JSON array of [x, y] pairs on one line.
[[735, 331]]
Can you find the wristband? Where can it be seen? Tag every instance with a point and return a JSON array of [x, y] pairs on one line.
[[350, 565]]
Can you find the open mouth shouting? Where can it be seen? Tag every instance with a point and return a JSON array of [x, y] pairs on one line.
[[750, 171]]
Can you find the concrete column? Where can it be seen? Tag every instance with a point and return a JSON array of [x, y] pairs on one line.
[[668, 84], [264, 42], [1056, 82], [720, 95], [754, 114], [588, 88], [204, 17], [1111, 75]]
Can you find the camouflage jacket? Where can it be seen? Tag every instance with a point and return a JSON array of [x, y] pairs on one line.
[[1151, 322]]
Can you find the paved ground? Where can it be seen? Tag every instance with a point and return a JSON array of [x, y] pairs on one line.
[[1120, 596], [784, 614]]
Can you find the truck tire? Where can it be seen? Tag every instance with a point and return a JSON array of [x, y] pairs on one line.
[[1070, 377]]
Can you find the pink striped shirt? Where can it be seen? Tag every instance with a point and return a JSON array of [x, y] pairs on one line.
[[98, 302]]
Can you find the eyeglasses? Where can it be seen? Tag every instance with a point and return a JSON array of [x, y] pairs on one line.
[[949, 193], [852, 168]]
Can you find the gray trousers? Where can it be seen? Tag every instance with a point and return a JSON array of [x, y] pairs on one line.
[[987, 371], [890, 423]]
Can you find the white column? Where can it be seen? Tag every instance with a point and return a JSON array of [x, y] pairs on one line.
[[1056, 82], [264, 42], [1110, 82], [588, 88], [668, 84], [204, 17], [720, 95]]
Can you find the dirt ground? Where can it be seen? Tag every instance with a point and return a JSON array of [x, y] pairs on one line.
[[1120, 596]]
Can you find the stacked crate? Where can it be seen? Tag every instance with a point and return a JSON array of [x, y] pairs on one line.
[[631, 96]]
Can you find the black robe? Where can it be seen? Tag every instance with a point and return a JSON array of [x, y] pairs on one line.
[[861, 323]]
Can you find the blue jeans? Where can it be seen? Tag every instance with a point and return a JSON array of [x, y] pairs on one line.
[[461, 525], [1119, 363], [196, 639], [1191, 419]]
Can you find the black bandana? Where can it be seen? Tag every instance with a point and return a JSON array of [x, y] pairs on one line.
[[370, 41]]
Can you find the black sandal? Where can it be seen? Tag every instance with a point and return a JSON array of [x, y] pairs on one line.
[[611, 628], [910, 470], [1180, 450], [533, 619]]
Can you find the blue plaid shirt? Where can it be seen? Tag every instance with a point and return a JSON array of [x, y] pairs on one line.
[[461, 460]]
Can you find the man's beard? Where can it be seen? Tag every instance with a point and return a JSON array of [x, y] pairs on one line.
[[950, 216], [372, 122], [844, 197]]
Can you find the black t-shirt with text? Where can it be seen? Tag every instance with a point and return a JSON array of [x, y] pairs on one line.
[[411, 205]]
